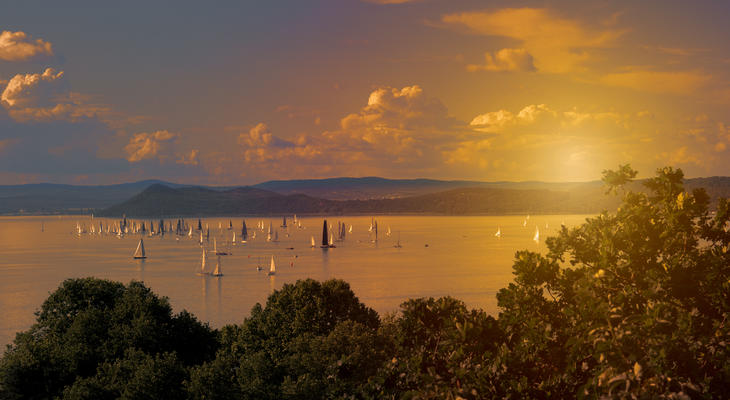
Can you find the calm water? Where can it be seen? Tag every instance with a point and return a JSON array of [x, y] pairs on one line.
[[463, 259]]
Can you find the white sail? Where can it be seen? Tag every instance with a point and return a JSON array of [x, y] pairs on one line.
[[234, 238], [218, 271], [272, 269], [350, 230], [536, 238], [524, 223], [139, 253], [388, 232], [499, 232], [313, 243], [202, 264], [215, 246], [190, 232], [331, 242]]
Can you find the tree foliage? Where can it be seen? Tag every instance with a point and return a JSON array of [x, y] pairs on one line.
[[87, 326]]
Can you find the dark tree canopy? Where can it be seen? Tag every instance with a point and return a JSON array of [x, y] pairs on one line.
[[87, 324]]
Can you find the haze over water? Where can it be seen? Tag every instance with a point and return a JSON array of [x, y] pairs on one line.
[[463, 259]]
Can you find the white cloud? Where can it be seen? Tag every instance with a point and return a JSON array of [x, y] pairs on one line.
[[19, 46]]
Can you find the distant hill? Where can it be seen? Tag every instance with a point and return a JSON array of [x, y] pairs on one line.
[[159, 200], [48, 198], [314, 196], [381, 188]]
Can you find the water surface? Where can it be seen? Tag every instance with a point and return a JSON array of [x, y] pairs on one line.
[[463, 259]]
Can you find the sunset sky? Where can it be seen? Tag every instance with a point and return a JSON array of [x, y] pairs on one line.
[[241, 92]]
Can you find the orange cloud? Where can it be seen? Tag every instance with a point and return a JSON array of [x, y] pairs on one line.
[[679, 82], [28, 89], [505, 60], [190, 158], [143, 146], [559, 45], [18, 46]]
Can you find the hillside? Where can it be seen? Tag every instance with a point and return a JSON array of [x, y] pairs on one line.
[[160, 200]]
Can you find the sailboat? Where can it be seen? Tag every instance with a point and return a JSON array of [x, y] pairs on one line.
[[276, 236], [536, 238], [388, 232], [215, 249], [272, 269], [313, 242], [350, 230], [202, 264], [325, 239], [258, 265], [201, 238], [190, 232], [139, 253], [233, 241], [331, 242], [244, 233], [230, 225], [397, 244], [218, 271], [283, 224], [499, 232]]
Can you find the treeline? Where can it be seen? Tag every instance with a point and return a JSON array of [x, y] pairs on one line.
[[631, 304]]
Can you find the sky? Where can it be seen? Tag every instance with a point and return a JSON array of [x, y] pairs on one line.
[[240, 92]]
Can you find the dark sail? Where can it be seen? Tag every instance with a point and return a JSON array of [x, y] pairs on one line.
[[244, 231], [325, 238]]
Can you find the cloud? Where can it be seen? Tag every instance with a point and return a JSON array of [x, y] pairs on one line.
[[505, 60], [143, 146], [44, 97], [400, 129], [190, 158], [19, 46], [559, 45], [678, 82], [31, 89]]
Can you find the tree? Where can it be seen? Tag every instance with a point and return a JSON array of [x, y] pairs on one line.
[[439, 349], [87, 323], [629, 304], [311, 340]]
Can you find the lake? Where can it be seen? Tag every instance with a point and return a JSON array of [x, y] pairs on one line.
[[440, 256]]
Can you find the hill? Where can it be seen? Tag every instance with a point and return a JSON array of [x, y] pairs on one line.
[[160, 200]]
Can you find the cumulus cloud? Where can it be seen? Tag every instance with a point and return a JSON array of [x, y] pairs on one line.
[[558, 44], [397, 129], [31, 89], [44, 97], [262, 148], [143, 146], [19, 46], [505, 60]]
